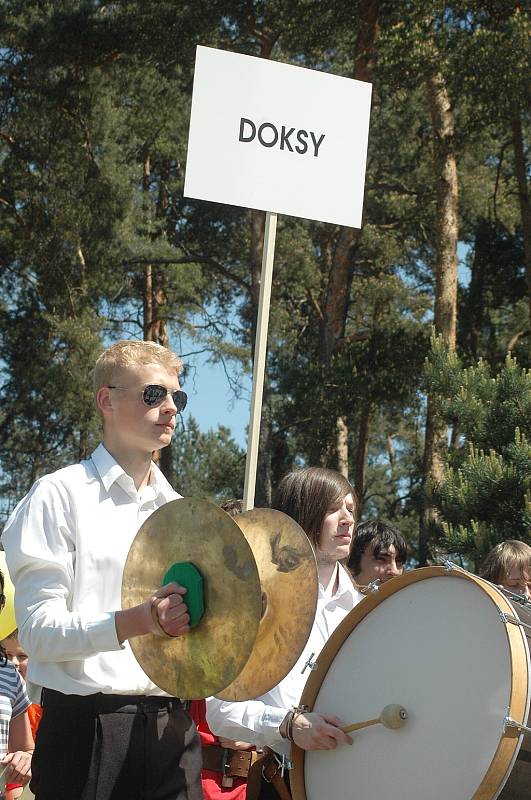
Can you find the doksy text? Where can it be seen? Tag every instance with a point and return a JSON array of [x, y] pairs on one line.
[[269, 135]]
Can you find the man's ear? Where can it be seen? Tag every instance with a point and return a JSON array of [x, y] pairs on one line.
[[104, 400]]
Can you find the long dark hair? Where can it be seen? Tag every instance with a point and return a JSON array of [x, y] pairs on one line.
[[307, 494]]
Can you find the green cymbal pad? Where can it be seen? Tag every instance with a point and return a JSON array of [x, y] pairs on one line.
[[187, 575]]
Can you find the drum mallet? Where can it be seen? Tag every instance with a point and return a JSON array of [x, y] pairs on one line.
[[392, 716]]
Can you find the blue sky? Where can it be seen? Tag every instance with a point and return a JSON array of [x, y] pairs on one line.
[[211, 400]]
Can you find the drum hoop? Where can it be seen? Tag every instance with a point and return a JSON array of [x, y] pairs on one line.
[[519, 698]]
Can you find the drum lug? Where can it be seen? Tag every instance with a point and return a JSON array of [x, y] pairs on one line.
[[506, 618], [511, 723], [309, 663], [515, 598]]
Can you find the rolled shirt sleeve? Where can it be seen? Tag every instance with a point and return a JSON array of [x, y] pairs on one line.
[[257, 721], [254, 721]]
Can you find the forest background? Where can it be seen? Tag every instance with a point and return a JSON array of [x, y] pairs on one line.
[[381, 363]]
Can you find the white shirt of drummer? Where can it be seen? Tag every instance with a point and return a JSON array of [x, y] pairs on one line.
[[66, 545], [257, 721]]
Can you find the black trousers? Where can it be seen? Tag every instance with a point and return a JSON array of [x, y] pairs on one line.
[[115, 747]]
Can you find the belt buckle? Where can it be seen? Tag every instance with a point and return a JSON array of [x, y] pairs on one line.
[[279, 768], [227, 781]]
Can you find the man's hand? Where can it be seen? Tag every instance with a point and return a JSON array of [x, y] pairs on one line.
[[312, 731], [163, 614], [168, 611], [230, 744], [18, 767]]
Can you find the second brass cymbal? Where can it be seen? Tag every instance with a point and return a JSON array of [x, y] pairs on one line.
[[289, 580], [205, 660]]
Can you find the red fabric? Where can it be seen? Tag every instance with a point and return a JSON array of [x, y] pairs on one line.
[[34, 714], [210, 780]]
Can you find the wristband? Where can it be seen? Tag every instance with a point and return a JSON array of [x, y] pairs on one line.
[[292, 714]]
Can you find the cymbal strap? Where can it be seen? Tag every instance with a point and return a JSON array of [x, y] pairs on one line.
[[156, 621]]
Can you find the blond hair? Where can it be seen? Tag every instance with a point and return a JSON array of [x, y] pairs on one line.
[[503, 557], [132, 353]]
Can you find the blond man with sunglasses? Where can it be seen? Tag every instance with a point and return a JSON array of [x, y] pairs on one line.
[[107, 730]]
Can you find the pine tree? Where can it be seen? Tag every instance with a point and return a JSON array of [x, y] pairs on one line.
[[209, 465], [485, 496]]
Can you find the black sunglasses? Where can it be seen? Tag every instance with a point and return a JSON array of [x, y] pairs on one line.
[[154, 394]]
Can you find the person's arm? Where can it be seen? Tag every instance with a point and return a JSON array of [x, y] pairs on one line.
[[39, 540], [14, 793], [312, 731], [20, 750], [262, 724], [253, 721]]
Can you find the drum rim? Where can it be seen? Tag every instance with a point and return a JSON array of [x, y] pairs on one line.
[[508, 746]]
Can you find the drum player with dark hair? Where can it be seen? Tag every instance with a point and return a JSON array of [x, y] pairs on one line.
[[378, 553], [321, 501], [107, 730]]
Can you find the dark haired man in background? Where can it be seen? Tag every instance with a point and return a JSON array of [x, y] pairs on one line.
[[378, 552]]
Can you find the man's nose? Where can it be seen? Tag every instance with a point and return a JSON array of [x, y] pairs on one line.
[[393, 568], [168, 406]]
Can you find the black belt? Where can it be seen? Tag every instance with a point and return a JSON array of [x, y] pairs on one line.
[[100, 703]]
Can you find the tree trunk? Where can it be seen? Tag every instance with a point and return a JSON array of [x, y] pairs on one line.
[[147, 294], [342, 446], [154, 297], [339, 261], [523, 197], [445, 311], [360, 462]]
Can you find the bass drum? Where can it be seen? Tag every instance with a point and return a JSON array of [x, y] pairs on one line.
[[519, 782], [452, 650]]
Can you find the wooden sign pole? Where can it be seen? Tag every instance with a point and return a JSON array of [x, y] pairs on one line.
[[260, 351]]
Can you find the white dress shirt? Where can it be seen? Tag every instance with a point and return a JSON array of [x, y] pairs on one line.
[[257, 721], [66, 544]]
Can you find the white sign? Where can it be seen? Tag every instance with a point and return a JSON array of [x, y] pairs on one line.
[[277, 138]]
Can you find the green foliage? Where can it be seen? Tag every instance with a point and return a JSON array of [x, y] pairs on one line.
[[94, 111], [485, 497], [209, 465]]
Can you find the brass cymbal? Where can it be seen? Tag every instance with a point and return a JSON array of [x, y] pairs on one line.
[[288, 576], [205, 660]]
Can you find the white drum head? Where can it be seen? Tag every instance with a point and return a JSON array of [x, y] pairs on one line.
[[439, 648]]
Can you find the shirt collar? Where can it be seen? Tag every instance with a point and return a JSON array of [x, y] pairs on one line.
[[345, 589], [110, 471]]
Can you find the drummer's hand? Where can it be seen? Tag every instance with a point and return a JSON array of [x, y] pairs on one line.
[[312, 731], [230, 744], [168, 609]]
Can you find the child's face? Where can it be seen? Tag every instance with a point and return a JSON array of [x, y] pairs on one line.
[[518, 581], [16, 654]]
